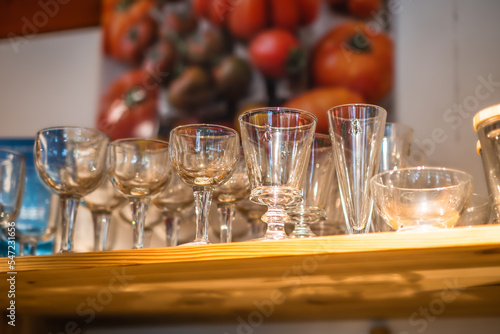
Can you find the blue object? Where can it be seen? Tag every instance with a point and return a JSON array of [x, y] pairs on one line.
[[35, 210]]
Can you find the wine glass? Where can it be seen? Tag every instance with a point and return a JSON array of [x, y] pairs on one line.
[[174, 198], [319, 178], [203, 156], [227, 195], [139, 168], [12, 169], [101, 203], [72, 162], [277, 145]]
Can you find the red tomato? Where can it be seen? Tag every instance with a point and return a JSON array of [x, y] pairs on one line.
[[276, 53], [319, 100], [355, 57], [247, 18], [129, 107]]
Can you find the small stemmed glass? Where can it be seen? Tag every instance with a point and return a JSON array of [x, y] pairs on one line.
[[101, 203], [139, 169], [174, 198], [72, 162], [277, 144], [203, 156], [227, 195], [319, 177]]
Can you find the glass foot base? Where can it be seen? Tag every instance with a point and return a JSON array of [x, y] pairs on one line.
[[196, 243]]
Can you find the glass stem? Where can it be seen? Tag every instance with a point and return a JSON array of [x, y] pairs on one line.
[[139, 208], [101, 226], [227, 212], [275, 218], [171, 221], [203, 200], [69, 208]]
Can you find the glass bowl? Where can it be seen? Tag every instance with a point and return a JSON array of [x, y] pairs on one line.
[[421, 198]]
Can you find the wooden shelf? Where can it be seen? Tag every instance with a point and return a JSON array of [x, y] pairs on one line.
[[455, 272]]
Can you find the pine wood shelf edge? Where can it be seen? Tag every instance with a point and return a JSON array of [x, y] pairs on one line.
[[374, 275]]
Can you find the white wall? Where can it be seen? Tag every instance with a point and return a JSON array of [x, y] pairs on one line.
[[51, 80], [444, 48]]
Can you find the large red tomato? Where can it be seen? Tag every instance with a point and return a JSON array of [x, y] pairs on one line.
[[129, 107], [319, 100], [276, 52], [354, 56]]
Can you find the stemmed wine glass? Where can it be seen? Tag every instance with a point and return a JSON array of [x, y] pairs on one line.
[[72, 162], [12, 169], [139, 169], [101, 203], [203, 156], [227, 195], [319, 179], [174, 198], [277, 144]]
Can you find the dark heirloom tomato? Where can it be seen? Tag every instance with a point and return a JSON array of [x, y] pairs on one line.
[[129, 107], [353, 56]]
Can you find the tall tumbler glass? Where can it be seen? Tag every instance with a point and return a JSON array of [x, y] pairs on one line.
[[319, 177], [396, 148], [12, 169], [139, 168], [277, 144], [72, 162], [356, 131]]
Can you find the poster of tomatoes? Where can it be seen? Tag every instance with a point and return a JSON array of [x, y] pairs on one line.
[[173, 62]]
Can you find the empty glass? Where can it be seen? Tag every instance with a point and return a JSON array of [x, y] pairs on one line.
[[395, 154], [72, 162], [477, 212], [277, 145], [356, 131], [319, 177], [227, 195], [12, 169], [203, 156], [421, 198], [174, 198], [139, 169], [101, 203]]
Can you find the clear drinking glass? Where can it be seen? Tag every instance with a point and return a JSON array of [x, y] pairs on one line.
[[72, 162], [227, 195], [139, 169], [12, 170], [319, 177], [101, 203], [203, 156], [396, 146], [174, 198], [277, 144], [356, 131]]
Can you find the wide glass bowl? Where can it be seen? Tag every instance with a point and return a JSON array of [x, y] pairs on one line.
[[421, 198]]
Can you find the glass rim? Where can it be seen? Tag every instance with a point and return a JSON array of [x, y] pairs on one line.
[[468, 177], [71, 127], [230, 131], [383, 111], [284, 109], [13, 152], [139, 139]]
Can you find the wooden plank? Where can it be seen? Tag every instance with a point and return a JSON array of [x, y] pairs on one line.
[[337, 277], [23, 19]]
